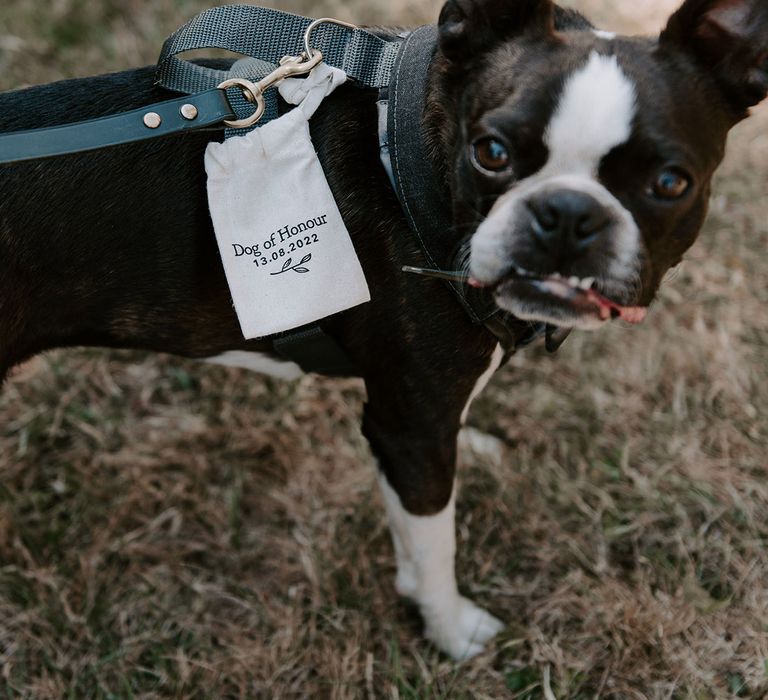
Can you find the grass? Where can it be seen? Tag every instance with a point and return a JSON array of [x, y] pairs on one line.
[[170, 529]]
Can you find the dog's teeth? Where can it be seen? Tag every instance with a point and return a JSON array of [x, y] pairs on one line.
[[557, 276], [574, 281], [587, 283]]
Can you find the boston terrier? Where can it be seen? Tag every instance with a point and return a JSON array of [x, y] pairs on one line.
[[578, 164]]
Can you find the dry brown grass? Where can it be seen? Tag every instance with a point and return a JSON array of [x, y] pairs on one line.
[[169, 529]]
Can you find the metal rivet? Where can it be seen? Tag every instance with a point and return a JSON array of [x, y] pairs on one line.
[[189, 112], [152, 120]]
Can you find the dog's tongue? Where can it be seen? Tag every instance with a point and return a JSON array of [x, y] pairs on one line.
[[610, 309]]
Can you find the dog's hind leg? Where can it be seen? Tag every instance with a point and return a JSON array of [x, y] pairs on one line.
[[415, 444]]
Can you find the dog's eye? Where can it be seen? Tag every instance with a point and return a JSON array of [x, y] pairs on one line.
[[491, 155], [671, 184]]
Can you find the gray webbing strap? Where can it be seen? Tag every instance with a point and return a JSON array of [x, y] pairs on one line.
[[268, 35]]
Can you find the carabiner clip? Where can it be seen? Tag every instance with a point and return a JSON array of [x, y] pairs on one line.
[[290, 66]]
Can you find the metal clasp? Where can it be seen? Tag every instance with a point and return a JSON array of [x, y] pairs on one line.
[[290, 66], [325, 20]]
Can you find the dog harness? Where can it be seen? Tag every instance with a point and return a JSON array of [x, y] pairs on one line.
[[277, 45]]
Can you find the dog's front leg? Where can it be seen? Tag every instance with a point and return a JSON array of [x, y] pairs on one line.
[[415, 444], [425, 547]]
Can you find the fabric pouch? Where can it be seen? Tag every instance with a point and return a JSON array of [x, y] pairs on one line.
[[287, 254]]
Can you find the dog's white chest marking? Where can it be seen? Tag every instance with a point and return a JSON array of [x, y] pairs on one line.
[[256, 362], [496, 360]]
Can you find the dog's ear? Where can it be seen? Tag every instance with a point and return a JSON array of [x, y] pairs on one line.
[[470, 26], [729, 38]]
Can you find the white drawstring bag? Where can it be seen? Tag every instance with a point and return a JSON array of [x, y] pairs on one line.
[[287, 255]]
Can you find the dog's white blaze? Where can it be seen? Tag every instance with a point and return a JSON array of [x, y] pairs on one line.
[[482, 382], [256, 362], [426, 549], [594, 115]]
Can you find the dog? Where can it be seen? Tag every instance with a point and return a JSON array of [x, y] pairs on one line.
[[578, 165]]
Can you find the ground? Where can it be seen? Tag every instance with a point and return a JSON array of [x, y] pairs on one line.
[[169, 529]]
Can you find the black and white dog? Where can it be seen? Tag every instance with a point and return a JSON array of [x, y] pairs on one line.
[[578, 164]]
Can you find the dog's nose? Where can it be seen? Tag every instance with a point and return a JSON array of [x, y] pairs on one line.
[[566, 221]]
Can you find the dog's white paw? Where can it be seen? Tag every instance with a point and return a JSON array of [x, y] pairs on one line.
[[461, 630]]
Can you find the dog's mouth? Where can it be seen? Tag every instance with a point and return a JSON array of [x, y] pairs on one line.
[[559, 299]]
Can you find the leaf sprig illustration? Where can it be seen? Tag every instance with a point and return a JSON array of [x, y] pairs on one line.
[[288, 266]]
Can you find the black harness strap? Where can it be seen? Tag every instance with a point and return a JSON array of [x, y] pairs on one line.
[[424, 198], [425, 202], [312, 349]]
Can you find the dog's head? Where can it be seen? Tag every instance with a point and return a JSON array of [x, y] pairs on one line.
[[581, 160]]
